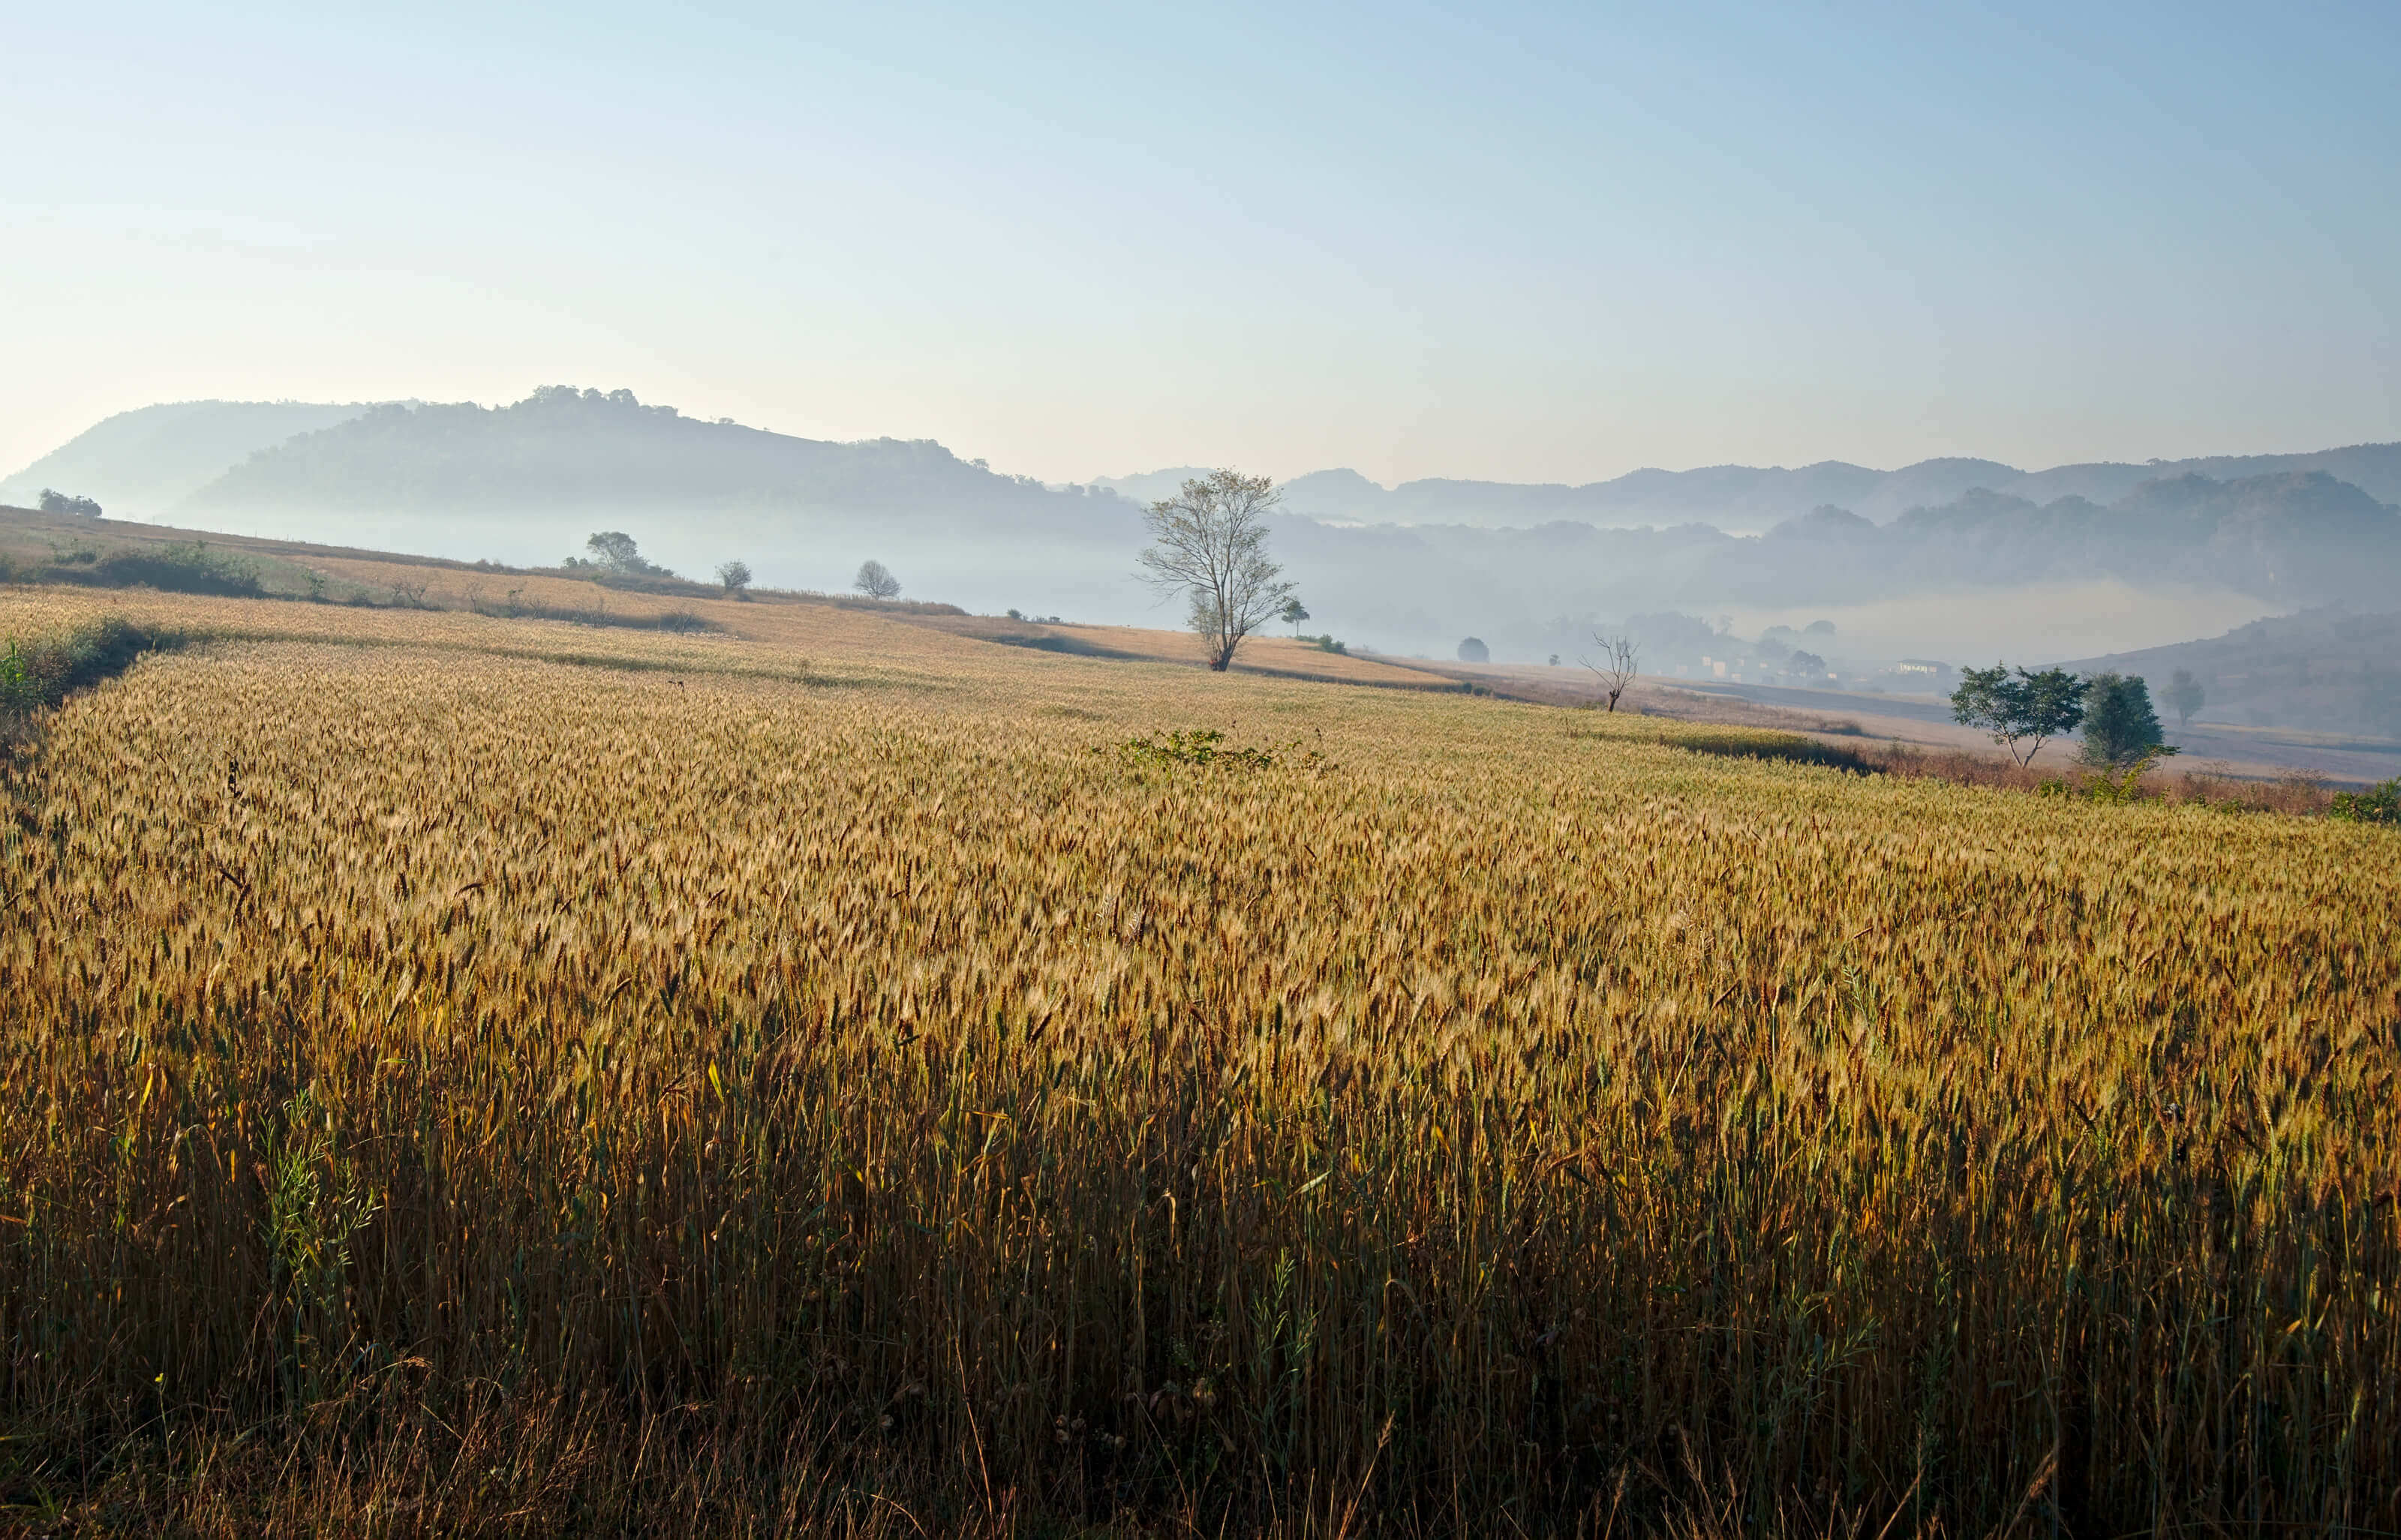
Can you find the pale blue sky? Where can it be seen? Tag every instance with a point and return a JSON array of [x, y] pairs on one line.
[[1520, 242]]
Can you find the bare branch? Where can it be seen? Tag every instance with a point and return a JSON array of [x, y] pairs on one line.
[[1621, 659], [1209, 544]]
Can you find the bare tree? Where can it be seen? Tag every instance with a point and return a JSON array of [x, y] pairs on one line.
[[1210, 546], [876, 581], [1621, 659], [735, 575]]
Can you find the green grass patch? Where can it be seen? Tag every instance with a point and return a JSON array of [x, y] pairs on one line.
[[190, 567], [38, 672]]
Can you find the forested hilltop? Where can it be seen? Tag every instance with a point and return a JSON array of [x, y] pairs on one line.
[[585, 449]]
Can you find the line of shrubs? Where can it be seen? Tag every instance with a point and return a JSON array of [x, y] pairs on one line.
[[190, 567]]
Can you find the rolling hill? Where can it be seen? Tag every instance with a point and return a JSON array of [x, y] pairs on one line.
[[142, 464]]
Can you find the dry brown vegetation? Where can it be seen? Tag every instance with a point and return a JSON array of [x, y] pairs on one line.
[[471, 1075]]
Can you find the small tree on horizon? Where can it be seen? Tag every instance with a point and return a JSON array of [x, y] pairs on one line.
[[1621, 661], [735, 575], [1294, 613], [2184, 695], [876, 581], [2031, 709], [616, 551], [1210, 544]]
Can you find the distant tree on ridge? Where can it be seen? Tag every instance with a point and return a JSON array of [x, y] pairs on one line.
[[876, 581]]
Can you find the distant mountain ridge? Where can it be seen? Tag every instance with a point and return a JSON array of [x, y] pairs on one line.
[[525, 484], [1745, 499], [2297, 537]]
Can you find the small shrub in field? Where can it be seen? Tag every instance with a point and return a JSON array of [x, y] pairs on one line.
[[188, 568], [1198, 746], [1206, 748], [2379, 804]]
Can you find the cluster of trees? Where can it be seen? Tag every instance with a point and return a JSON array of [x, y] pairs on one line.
[[61, 502], [617, 554], [2023, 711]]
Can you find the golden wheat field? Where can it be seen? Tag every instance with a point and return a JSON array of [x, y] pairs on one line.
[[470, 1075]]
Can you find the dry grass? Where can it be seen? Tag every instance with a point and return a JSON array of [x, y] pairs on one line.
[[470, 1075]]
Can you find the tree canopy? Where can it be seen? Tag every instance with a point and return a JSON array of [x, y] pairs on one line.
[[2120, 728], [2031, 709], [616, 551]]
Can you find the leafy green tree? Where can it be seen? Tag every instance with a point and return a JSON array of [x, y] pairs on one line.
[[2031, 709], [2379, 804], [1294, 613], [614, 551], [2184, 695], [2119, 726], [735, 575]]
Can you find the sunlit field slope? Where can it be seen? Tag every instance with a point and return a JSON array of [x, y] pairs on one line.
[[472, 1075]]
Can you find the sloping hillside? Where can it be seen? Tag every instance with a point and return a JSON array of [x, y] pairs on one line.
[[588, 452], [2325, 670], [141, 464]]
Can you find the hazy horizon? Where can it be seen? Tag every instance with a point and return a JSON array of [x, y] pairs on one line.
[[1533, 244], [1118, 478]]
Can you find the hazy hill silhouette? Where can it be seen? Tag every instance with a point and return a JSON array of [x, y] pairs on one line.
[[2299, 537], [2322, 670], [562, 449], [1530, 572], [142, 463], [1748, 499]]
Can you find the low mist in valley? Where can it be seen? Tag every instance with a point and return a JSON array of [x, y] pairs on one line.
[[1994, 563]]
